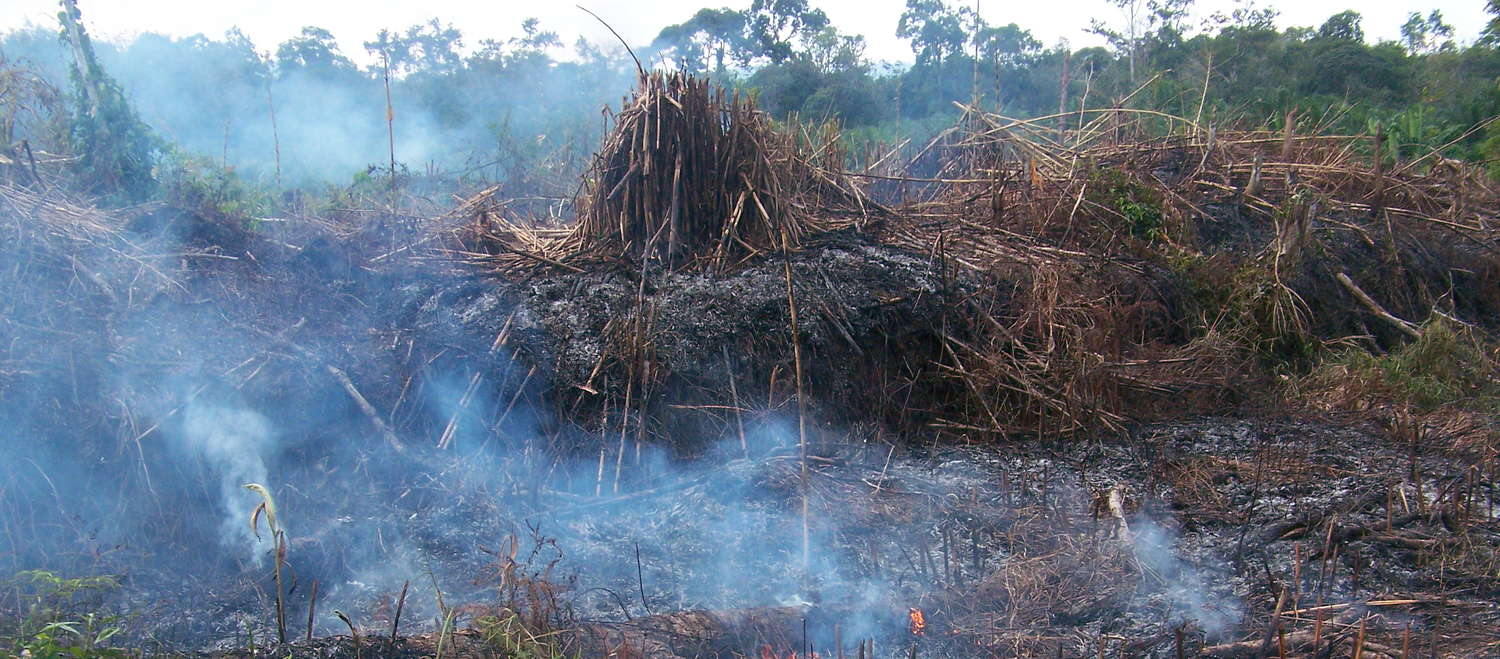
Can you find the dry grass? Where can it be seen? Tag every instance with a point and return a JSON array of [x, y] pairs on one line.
[[1134, 266]]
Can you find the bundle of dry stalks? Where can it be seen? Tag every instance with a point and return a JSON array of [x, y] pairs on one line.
[[694, 172], [692, 176]]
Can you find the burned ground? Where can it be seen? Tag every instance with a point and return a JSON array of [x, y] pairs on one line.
[[1110, 398]]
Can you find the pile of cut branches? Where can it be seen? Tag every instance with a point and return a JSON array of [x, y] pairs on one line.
[[1145, 264], [692, 176], [694, 172]]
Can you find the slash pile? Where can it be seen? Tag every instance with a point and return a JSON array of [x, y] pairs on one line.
[[695, 176]]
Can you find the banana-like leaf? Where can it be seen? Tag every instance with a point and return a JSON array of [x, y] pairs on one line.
[[270, 508], [255, 519]]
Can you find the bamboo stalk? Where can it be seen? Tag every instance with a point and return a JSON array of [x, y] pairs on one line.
[[791, 302], [312, 607], [400, 604]]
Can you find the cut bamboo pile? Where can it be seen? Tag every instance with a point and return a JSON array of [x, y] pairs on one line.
[[1088, 242], [692, 176], [692, 172]]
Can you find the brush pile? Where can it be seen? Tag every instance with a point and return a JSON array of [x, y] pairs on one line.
[[692, 176], [692, 172], [1101, 267], [1145, 265], [57, 244]]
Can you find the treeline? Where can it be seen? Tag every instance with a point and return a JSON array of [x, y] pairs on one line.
[[526, 110]]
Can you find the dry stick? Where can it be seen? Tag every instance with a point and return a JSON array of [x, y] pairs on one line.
[[353, 632], [1288, 130], [520, 389], [625, 415], [365, 406], [1062, 96], [639, 69], [275, 137], [1202, 99], [400, 604], [1377, 206], [599, 478], [640, 579], [1359, 639], [312, 606], [473, 387], [791, 302], [739, 419], [390, 121], [1406, 327], [1274, 625], [280, 539], [31, 158]]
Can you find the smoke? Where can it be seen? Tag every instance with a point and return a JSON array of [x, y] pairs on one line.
[[1187, 591], [231, 445], [503, 116], [363, 519]]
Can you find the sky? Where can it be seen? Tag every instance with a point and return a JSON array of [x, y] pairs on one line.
[[269, 22]]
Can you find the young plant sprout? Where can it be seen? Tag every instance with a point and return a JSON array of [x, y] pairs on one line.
[[267, 506]]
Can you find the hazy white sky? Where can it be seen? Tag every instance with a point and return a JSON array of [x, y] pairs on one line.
[[269, 22]]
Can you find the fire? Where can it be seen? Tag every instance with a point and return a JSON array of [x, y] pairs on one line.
[[918, 621]]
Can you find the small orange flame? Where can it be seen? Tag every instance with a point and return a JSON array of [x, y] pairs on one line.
[[918, 621]]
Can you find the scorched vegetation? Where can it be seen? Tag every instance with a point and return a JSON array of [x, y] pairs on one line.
[[1173, 348]]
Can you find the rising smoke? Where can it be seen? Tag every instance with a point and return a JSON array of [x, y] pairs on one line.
[[230, 445], [512, 111], [160, 495]]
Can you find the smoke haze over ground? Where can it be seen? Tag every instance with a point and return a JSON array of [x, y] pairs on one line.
[[1105, 386]]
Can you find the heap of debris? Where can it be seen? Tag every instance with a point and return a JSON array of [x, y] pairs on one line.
[[694, 176]]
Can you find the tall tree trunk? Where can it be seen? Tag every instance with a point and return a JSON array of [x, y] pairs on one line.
[[78, 43]]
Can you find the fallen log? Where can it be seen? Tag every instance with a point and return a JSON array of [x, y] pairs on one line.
[[1406, 327]]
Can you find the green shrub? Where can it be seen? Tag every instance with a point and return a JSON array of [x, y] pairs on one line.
[[1139, 207], [55, 616], [507, 634], [201, 187], [1448, 365]]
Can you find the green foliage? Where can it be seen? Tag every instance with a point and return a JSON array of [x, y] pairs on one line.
[[1448, 365], [116, 150], [1275, 319], [1413, 132], [1490, 150], [709, 40], [214, 96], [199, 186], [1248, 302], [1205, 284], [1426, 35], [1138, 206], [1344, 26], [507, 634], [314, 52], [1492, 29], [55, 616]]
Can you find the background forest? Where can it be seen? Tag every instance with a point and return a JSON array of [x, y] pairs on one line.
[[226, 119]]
